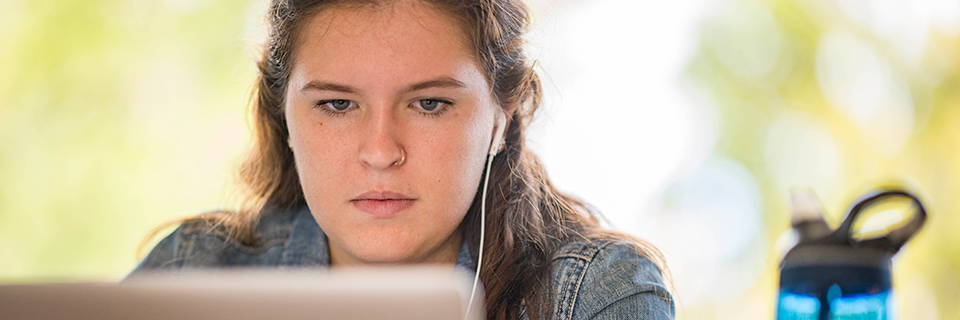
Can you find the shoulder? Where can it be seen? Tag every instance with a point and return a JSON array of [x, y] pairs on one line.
[[608, 279], [200, 243]]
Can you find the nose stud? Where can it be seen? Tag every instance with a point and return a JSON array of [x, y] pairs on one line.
[[403, 158]]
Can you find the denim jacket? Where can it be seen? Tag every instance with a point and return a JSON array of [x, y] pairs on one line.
[[601, 279]]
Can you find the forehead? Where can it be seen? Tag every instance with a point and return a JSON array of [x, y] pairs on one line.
[[401, 38]]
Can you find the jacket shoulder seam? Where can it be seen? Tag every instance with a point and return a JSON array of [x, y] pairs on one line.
[[584, 252]]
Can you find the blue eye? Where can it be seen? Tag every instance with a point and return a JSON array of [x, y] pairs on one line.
[[337, 105], [430, 104]]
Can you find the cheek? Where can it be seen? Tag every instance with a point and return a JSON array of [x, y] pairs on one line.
[[457, 160], [320, 154]]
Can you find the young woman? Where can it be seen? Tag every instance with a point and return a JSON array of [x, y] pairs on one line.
[[377, 125]]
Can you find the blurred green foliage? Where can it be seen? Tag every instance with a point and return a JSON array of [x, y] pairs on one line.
[[115, 116]]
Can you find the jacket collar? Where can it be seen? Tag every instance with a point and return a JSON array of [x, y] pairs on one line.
[[307, 245]]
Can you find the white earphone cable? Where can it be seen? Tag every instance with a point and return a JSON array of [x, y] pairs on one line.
[[483, 218]]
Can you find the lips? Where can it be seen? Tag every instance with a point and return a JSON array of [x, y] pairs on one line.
[[382, 204]]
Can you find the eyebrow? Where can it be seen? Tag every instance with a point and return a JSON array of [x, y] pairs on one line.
[[441, 82], [326, 86]]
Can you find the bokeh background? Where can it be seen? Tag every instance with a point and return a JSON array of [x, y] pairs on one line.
[[685, 122]]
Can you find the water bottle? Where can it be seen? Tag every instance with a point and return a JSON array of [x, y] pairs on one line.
[[830, 274]]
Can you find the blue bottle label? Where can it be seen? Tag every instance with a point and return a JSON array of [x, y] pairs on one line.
[[872, 306], [797, 307], [793, 306]]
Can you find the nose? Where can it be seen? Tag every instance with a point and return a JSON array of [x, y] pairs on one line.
[[379, 145]]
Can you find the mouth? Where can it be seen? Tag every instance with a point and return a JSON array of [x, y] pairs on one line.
[[382, 204]]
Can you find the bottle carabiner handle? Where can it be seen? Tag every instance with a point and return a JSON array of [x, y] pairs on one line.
[[893, 240]]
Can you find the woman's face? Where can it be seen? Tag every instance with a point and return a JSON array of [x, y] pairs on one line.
[[370, 87]]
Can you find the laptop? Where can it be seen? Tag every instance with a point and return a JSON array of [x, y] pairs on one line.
[[374, 293]]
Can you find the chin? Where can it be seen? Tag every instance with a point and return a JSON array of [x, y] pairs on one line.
[[395, 242], [375, 254]]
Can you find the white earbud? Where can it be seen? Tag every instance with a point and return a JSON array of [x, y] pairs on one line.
[[500, 126]]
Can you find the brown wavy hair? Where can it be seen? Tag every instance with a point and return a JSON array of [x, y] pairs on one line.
[[528, 220]]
